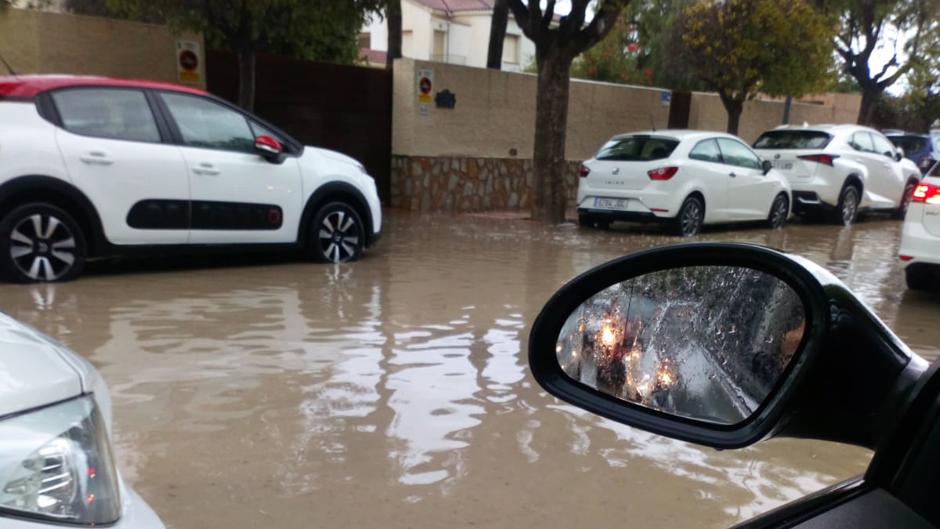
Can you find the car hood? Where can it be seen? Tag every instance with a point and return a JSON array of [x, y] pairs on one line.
[[34, 369]]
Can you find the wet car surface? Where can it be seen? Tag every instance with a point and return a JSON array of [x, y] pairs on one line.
[[394, 391]]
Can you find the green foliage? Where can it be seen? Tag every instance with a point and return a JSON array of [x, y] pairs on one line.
[[742, 47]]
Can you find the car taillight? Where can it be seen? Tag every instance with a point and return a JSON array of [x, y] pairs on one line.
[[584, 171], [663, 173], [826, 159], [926, 193]]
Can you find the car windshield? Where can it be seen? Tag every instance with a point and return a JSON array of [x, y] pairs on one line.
[[793, 139], [637, 149], [910, 144]]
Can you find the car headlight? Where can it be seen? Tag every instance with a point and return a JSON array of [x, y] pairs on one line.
[[56, 464]]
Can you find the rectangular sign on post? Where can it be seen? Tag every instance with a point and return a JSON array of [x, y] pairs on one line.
[[188, 60], [425, 86]]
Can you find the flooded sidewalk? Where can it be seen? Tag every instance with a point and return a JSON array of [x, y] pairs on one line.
[[394, 392]]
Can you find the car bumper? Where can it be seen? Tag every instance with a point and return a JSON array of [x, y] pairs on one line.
[[137, 515], [918, 246], [816, 193], [645, 204]]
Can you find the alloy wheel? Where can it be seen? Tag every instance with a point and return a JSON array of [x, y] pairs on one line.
[[691, 219], [849, 205], [778, 215], [906, 200], [42, 247], [339, 236]]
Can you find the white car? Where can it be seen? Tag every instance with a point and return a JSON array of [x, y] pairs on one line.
[[920, 240], [95, 167], [839, 170], [56, 464], [688, 178]]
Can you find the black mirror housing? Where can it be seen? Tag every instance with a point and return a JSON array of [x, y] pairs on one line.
[[766, 166]]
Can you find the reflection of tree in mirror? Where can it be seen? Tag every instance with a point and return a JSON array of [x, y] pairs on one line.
[[705, 342]]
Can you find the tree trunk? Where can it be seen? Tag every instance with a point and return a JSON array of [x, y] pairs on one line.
[[494, 56], [549, 198], [866, 110], [393, 15], [246, 79], [734, 107]]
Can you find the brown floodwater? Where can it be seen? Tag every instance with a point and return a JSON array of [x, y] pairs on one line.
[[394, 392]]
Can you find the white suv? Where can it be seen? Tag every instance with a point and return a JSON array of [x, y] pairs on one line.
[[96, 167], [840, 169], [920, 240]]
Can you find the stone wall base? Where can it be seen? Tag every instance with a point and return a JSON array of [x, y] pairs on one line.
[[461, 184]]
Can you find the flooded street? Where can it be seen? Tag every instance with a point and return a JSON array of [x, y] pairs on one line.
[[394, 392]]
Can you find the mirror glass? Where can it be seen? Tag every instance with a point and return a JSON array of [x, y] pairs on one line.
[[706, 342]]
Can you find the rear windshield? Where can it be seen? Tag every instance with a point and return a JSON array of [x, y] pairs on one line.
[[793, 139], [910, 144], [637, 149]]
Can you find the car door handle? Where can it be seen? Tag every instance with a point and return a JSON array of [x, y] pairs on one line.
[[732, 175], [205, 169], [96, 158]]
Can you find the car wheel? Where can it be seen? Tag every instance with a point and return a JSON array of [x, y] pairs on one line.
[[337, 234], [691, 217], [779, 211], [918, 278], [41, 243], [905, 200], [847, 210], [585, 221]]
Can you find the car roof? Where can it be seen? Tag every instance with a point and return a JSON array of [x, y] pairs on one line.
[[679, 134], [823, 127], [28, 86], [907, 135]]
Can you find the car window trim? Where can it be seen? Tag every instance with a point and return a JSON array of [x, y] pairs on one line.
[[721, 157], [50, 105]]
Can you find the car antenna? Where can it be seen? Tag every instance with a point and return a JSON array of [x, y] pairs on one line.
[[8, 67]]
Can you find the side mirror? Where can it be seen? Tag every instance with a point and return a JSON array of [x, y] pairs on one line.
[[717, 344], [899, 154], [269, 149], [766, 166]]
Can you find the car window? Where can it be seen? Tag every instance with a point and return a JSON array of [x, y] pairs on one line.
[[207, 124], [793, 139], [736, 153], [637, 148], [107, 113], [861, 141], [707, 151], [911, 144], [882, 145]]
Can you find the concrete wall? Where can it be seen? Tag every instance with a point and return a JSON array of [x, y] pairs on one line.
[[46, 42]]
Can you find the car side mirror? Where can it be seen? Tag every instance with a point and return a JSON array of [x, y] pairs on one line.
[[717, 344], [269, 149], [766, 166], [899, 154]]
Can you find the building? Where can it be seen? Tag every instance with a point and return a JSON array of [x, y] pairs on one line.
[[449, 31]]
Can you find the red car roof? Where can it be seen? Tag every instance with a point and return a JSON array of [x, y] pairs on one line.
[[28, 86]]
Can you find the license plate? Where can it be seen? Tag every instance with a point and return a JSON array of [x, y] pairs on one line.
[[783, 166], [610, 203]]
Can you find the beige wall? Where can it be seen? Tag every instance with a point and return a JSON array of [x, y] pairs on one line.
[[45, 42], [495, 113]]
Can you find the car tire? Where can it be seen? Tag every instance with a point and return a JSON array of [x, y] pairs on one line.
[[587, 221], [917, 278], [905, 200], [41, 243], [847, 210], [779, 212], [691, 217], [337, 234]]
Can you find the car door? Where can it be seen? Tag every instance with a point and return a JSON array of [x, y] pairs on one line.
[[711, 176], [116, 155], [891, 182], [863, 151], [749, 192], [237, 196]]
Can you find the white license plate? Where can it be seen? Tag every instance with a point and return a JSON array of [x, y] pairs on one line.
[[783, 166], [610, 203]]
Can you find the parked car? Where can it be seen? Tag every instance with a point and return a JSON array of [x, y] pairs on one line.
[[762, 345], [920, 240], [683, 177], [56, 463], [918, 148], [839, 170], [96, 167]]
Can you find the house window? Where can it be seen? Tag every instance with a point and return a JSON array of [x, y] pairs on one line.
[[511, 49]]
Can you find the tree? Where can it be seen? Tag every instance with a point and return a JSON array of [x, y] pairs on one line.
[[742, 47], [312, 29], [556, 46], [866, 26], [393, 15], [494, 54]]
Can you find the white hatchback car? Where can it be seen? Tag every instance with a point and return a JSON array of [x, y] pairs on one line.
[[920, 240], [839, 170], [689, 178], [95, 167], [56, 466]]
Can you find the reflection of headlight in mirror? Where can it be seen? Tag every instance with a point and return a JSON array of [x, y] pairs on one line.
[[608, 336], [56, 463]]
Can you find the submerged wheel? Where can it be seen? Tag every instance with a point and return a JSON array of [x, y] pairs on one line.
[[337, 234], [691, 217], [847, 210], [905, 200], [917, 278], [779, 211], [41, 243]]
